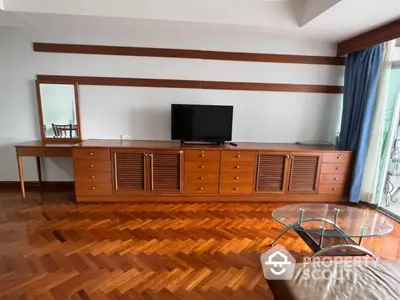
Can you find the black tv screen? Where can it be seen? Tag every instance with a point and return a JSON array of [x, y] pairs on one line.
[[208, 123]]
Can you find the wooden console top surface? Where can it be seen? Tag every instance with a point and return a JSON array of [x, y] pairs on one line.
[[137, 144]]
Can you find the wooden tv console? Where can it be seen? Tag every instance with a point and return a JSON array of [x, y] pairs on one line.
[[113, 170]]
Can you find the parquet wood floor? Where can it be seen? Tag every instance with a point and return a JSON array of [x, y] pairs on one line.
[[62, 250]]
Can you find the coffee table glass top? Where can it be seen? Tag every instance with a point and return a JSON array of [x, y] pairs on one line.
[[319, 218]]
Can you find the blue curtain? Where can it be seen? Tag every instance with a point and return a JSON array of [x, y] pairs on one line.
[[360, 83]]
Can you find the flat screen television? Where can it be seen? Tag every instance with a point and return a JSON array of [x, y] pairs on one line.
[[201, 123]]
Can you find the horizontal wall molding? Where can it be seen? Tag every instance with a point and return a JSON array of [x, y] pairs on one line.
[[185, 53], [48, 186], [195, 84]]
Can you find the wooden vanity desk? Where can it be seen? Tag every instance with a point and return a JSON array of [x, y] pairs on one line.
[[39, 149], [114, 170]]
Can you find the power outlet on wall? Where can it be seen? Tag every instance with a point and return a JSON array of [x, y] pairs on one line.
[[125, 137]]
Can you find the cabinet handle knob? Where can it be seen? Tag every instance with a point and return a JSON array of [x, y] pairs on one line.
[[200, 189], [335, 178], [237, 167], [93, 188], [236, 177], [287, 156], [91, 153], [202, 155], [238, 156], [201, 167], [91, 166], [92, 177], [336, 168], [334, 189], [201, 177], [338, 157], [236, 189]]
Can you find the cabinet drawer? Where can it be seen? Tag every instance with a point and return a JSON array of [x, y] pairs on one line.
[[333, 178], [200, 155], [59, 152], [89, 176], [238, 156], [88, 153], [236, 188], [338, 168], [93, 166], [201, 178], [85, 188], [336, 157], [202, 167], [332, 189], [237, 166], [199, 188], [237, 177]]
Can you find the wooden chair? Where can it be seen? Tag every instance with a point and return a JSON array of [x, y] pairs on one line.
[[64, 131]]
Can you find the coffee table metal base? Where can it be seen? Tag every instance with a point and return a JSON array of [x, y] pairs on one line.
[[350, 243]]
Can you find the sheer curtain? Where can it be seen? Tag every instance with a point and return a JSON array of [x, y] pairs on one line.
[[378, 151]]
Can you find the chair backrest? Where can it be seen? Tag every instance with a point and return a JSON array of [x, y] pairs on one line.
[[64, 131]]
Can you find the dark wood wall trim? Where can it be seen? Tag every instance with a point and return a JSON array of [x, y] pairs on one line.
[[52, 186], [368, 39], [196, 84], [191, 54]]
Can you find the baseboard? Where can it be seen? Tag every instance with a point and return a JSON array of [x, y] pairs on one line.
[[35, 186]]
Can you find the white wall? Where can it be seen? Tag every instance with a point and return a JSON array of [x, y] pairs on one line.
[[143, 113]]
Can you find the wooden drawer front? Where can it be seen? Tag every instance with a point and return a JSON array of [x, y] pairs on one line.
[[202, 167], [87, 176], [332, 189], [237, 178], [238, 156], [199, 155], [92, 166], [85, 188], [93, 154], [237, 167], [199, 188], [31, 151], [336, 157], [339, 168], [236, 188], [201, 178], [333, 178]]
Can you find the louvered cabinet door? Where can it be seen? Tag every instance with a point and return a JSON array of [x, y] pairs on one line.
[[272, 170], [304, 172], [129, 171], [166, 171]]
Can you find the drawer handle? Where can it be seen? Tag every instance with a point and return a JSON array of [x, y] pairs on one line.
[[201, 167], [237, 167], [92, 177], [238, 156], [93, 188], [91, 166], [338, 157], [334, 189], [200, 189], [202, 155], [335, 178], [236, 177], [91, 153], [336, 168], [235, 189], [201, 177]]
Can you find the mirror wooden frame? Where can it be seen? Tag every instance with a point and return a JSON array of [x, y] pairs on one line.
[[40, 112]]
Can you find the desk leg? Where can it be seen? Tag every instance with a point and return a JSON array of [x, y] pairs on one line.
[[39, 171], [21, 175]]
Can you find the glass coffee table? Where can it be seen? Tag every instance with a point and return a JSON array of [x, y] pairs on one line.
[[317, 221]]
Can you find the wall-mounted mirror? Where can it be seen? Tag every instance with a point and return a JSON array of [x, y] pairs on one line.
[[58, 111]]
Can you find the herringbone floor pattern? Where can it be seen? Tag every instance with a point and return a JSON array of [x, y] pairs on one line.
[[62, 250]]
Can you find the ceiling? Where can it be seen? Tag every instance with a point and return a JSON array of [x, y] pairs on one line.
[[325, 20]]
